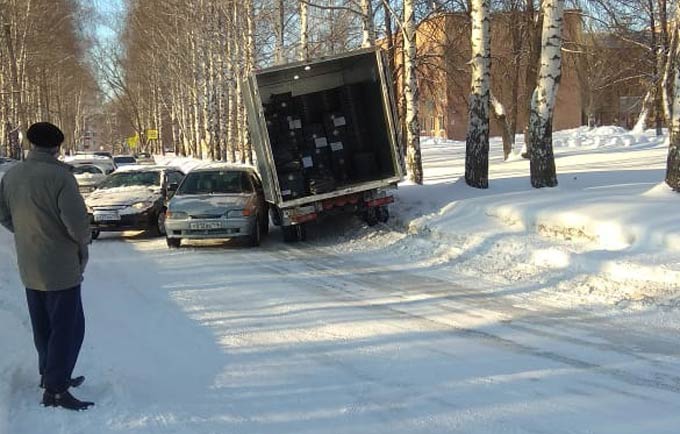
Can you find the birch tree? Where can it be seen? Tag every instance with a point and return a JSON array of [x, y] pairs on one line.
[[304, 31], [43, 73], [413, 155], [279, 31], [368, 28], [673, 160], [477, 142], [542, 160]]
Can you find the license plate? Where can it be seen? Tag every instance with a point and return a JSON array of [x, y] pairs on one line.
[[206, 225], [106, 217]]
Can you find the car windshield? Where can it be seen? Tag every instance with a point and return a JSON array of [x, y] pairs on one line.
[[124, 160], [131, 179], [80, 170], [217, 182]]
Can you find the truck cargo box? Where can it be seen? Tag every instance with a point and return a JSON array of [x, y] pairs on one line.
[[324, 128]]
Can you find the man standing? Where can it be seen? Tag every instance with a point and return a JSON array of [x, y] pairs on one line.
[[40, 203]]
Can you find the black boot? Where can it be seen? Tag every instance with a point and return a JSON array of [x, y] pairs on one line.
[[64, 400], [75, 382]]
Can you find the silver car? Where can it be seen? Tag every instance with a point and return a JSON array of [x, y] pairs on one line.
[[217, 202], [89, 176]]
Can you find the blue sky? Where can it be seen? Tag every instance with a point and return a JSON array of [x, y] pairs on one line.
[[110, 12]]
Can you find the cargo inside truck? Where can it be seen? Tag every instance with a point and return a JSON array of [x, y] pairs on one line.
[[327, 125]]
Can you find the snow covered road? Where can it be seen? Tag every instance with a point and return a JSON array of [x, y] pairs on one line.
[[310, 338]]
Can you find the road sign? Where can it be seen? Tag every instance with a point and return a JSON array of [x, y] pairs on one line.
[[133, 141], [151, 134]]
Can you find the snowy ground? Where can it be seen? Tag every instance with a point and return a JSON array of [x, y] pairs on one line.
[[510, 310]]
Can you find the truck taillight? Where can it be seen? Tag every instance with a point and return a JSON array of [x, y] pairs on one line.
[[380, 201], [304, 218]]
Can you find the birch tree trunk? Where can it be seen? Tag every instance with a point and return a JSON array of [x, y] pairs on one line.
[[673, 160], [641, 123], [279, 30], [413, 156], [542, 160], [303, 54], [477, 143], [368, 28]]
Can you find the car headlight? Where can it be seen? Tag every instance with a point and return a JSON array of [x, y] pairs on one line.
[[173, 215], [142, 205]]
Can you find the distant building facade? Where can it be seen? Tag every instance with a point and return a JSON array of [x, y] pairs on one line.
[[593, 89]]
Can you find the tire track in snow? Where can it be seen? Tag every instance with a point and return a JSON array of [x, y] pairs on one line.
[[346, 285]]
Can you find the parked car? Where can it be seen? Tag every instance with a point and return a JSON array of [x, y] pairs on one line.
[[104, 163], [133, 198], [88, 177], [218, 202], [144, 158], [124, 160]]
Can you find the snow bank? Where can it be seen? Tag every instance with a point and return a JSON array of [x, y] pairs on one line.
[[611, 218], [15, 334]]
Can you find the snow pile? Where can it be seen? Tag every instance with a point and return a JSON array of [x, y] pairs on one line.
[[15, 331], [586, 137], [609, 232]]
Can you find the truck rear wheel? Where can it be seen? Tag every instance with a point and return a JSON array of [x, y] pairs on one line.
[[383, 214], [275, 213], [371, 216], [295, 233]]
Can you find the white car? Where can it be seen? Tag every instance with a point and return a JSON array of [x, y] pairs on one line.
[[89, 177], [124, 160], [104, 163]]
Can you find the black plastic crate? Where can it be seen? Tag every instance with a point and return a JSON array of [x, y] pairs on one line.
[[364, 165], [293, 185], [321, 182]]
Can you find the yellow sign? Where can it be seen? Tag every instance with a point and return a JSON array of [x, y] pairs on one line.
[[151, 134], [133, 141]]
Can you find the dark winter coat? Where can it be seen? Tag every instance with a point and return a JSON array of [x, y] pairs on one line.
[[41, 204]]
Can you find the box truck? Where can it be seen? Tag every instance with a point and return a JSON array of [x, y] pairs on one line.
[[326, 140]]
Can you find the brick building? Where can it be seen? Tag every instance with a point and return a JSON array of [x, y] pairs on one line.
[[444, 74]]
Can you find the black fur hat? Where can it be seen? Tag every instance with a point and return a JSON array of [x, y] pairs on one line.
[[45, 135]]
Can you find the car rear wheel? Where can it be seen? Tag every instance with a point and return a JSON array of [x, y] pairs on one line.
[[174, 243], [255, 238], [265, 224], [158, 228]]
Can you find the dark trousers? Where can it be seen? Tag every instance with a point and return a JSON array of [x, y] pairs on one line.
[[58, 329]]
